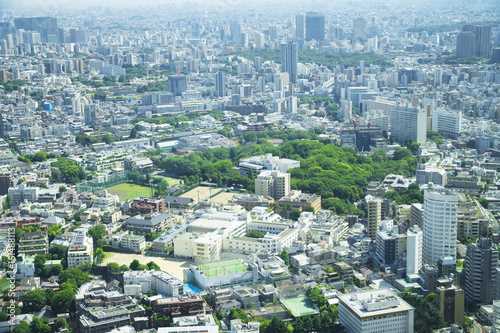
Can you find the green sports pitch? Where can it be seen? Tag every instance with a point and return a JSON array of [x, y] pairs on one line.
[[128, 191]]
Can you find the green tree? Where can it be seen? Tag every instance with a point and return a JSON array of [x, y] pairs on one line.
[[34, 300], [62, 189], [284, 256], [61, 323], [37, 326], [22, 327], [134, 265], [97, 233], [153, 266], [74, 275], [62, 301]]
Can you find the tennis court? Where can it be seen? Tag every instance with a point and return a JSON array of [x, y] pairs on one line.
[[222, 267], [300, 306]]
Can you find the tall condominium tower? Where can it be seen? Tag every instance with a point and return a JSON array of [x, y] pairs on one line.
[[289, 60], [480, 271], [440, 225]]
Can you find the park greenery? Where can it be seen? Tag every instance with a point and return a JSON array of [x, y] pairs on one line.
[[321, 58], [339, 175], [67, 171], [41, 156], [427, 315], [13, 85]]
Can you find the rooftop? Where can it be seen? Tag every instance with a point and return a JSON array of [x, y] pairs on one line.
[[372, 303]]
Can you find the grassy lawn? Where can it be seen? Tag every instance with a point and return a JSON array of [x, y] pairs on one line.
[[129, 191]]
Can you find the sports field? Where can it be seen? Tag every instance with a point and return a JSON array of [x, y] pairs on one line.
[[222, 267], [300, 306], [201, 192], [129, 191]]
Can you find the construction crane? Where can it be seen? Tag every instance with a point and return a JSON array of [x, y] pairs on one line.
[[356, 122]]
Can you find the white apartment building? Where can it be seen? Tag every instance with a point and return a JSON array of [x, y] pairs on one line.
[[447, 123], [22, 192], [135, 144], [158, 281], [266, 162], [375, 311], [440, 225], [273, 184], [414, 242], [409, 123], [80, 251], [133, 243], [105, 200]]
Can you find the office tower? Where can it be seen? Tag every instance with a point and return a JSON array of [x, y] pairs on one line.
[[244, 39], [447, 123], [274, 184], [289, 60], [414, 243], [259, 40], [46, 26], [440, 225], [451, 303], [354, 94], [90, 114], [177, 84], [196, 30], [6, 181], [257, 61], [315, 26], [474, 41], [261, 84], [483, 41], [77, 36], [374, 217], [358, 28], [387, 244], [466, 45], [438, 76], [273, 33], [409, 123], [300, 26], [235, 32], [379, 310], [417, 215], [480, 271], [220, 84]]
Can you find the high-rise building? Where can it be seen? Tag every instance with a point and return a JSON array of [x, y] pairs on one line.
[[177, 84], [77, 36], [414, 242], [409, 123], [447, 123], [290, 60], [474, 41], [315, 26], [480, 271], [6, 181], [495, 325], [466, 45], [2, 130], [220, 84], [46, 26], [451, 301], [358, 28], [376, 310], [483, 41], [374, 217], [440, 225], [273, 184], [235, 32], [90, 114], [300, 26]]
